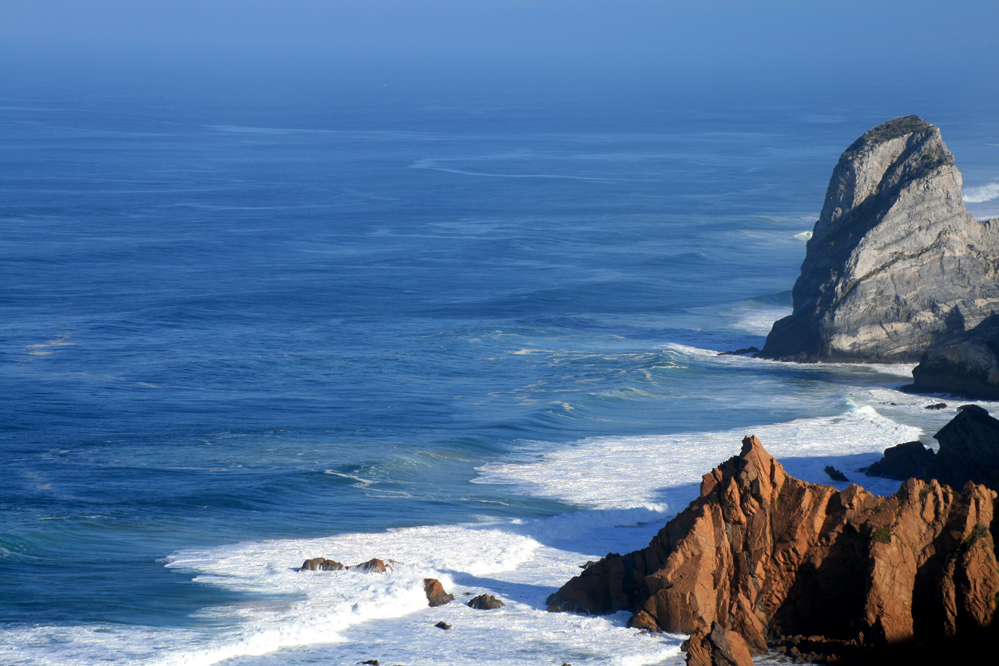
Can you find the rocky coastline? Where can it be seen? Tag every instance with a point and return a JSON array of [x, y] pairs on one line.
[[896, 270]]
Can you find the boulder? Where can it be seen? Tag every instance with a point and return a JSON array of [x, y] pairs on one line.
[[895, 265], [764, 554], [717, 647], [644, 621], [485, 602], [968, 365], [321, 564], [373, 565], [436, 595]]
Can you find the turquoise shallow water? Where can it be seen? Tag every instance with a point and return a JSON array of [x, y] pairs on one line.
[[227, 328]]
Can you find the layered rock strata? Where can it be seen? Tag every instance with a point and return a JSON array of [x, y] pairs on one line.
[[895, 264], [764, 555]]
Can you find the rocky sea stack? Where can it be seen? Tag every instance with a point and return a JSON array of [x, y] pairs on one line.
[[778, 561], [895, 265]]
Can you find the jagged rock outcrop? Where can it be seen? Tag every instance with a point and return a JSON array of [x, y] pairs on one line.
[[895, 264], [436, 594], [765, 554], [968, 365], [969, 451]]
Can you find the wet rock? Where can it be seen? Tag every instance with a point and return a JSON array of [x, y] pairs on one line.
[[373, 565], [321, 564], [369, 662], [835, 474], [741, 352], [436, 595], [895, 265], [937, 405], [717, 647], [762, 553], [485, 602], [443, 625]]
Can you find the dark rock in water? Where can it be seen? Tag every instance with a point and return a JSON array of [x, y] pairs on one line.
[[895, 265], [369, 662], [763, 554], [969, 451], [717, 647], [371, 566], [741, 352], [937, 405], [443, 625], [485, 602], [968, 365], [834, 473], [321, 564], [436, 595], [900, 462]]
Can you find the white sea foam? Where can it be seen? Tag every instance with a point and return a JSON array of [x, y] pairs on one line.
[[760, 320], [660, 472], [627, 487], [982, 193]]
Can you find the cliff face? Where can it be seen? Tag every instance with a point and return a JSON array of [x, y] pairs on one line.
[[895, 264], [967, 365], [765, 554]]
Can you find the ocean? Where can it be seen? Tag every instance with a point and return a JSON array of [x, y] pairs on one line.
[[479, 340]]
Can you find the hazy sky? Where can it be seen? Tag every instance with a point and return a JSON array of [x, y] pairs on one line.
[[578, 47]]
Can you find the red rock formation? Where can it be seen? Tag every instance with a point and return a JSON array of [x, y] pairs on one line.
[[321, 564], [765, 554], [436, 594], [717, 647]]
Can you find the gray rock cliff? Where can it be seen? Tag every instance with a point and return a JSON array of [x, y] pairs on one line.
[[895, 264]]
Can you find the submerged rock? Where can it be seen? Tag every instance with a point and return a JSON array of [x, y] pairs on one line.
[[895, 265], [436, 595], [764, 554]]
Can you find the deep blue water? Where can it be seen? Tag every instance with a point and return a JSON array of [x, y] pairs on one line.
[[211, 325]]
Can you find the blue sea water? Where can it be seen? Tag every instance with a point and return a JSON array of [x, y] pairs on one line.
[[229, 339]]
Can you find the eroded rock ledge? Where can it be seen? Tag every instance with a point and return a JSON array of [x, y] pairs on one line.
[[766, 555], [895, 265]]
